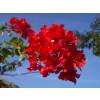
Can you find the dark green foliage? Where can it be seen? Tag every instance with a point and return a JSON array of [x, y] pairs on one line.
[[91, 39], [6, 84], [9, 48], [16, 40]]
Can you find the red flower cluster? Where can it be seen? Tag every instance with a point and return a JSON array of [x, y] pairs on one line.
[[54, 50], [20, 26]]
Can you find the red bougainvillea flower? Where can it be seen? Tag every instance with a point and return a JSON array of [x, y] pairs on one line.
[[54, 50], [71, 75], [20, 26]]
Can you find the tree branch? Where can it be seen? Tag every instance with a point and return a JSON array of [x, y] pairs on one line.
[[19, 74]]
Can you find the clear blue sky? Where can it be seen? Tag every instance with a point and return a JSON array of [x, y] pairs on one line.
[[90, 76]]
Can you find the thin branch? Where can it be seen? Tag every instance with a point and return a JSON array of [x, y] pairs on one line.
[[20, 74]]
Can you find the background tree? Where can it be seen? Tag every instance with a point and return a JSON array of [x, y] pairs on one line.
[[91, 39]]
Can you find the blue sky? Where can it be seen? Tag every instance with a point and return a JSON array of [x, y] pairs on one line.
[[90, 76]]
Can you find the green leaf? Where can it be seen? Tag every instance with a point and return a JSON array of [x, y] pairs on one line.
[[11, 67], [16, 40], [5, 52], [20, 53], [3, 28], [19, 63], [1, 33]]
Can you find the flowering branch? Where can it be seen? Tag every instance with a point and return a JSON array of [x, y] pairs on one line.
[[53, 50]]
